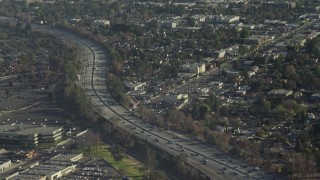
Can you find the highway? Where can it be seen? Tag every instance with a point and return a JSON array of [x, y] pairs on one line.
[[212, 162]]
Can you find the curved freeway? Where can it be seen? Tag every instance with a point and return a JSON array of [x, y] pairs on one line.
[[212, 162]]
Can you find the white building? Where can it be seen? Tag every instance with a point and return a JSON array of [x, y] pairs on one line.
[[100, 23], [197, 68], [4, 164], [28, 135], [219, 53], [203, 91], [54, 168], [46, 172], [66, 158], [199, 18]]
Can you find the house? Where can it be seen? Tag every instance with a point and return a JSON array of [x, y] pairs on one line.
[[278, 4], [242, 90], [234, 77], [297, 95], [198, 68], [219, 54], [33, 1], [210, 63], [168, 24], [186, 4], [100, 23], [275, 22], [199, 18], [280, 92], [203, 91], [226, 19], [135, 86], [298, 40], [240, 26], [74, 20], [256, 40], [311, 116], [254, 68], [315, 97], [313, 34], [233, 74], [232, 50], [316, 26], [215, 84], [183, 77], [247, 63], [173, 98], [180, 104]]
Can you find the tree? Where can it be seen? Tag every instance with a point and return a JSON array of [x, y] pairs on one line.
[[290, 69], [317, 159], [117, 153], [157, 175], [10, 83], [235, 151], [203, 110], [190, 21], [175, 118], [3, 35], [51, 96], [243, 49], [28, 27], [180, 10], [150, 162], [74, 146], [181, 166], [8, 93], [19, 26], [236, 65], [299, 146], [244, 33]]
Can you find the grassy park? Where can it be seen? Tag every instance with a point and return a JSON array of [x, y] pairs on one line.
[[126, 166]]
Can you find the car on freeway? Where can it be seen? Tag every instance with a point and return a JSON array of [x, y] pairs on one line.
[[205, 161]]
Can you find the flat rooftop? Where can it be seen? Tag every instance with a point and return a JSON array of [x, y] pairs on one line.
[[44, 169], [25, 129], [2, 161], [27, 176], [65, 157]]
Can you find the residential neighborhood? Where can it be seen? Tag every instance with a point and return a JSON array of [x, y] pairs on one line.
[[242, 76]]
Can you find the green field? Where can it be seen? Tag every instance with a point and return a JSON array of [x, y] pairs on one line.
[[127, 166]]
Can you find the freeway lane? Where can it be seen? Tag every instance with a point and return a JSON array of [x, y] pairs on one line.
[[209, 160]]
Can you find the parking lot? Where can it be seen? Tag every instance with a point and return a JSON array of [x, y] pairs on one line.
[[21, 104], [94, 168]]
